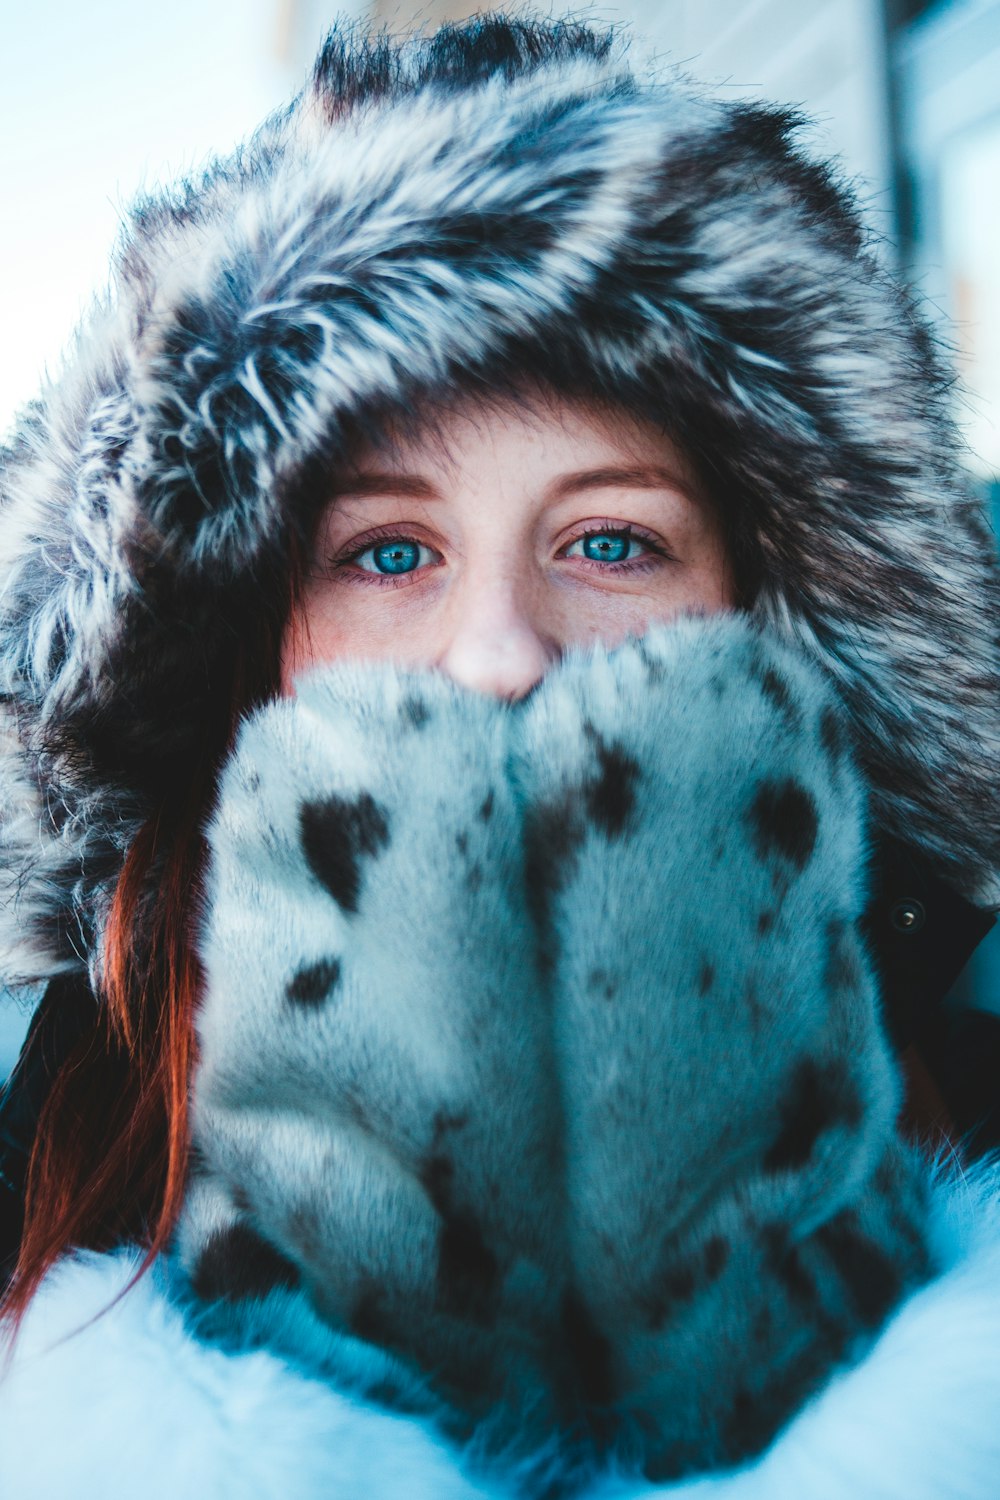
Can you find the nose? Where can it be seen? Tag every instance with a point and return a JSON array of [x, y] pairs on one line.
[[496, 646]]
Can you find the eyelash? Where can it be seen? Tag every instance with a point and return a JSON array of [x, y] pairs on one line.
[[341, 563], [629, 534]]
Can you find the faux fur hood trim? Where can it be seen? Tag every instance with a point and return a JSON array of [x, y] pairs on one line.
[[139, 1406], [450, 213]]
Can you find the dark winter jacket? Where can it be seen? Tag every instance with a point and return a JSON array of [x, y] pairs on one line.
[[499, 201]]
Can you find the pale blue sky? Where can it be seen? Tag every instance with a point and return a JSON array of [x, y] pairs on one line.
[[97, 98]]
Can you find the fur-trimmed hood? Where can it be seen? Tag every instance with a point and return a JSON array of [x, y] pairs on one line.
[[504, 198]]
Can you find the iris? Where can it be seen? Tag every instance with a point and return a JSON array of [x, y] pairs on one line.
[[606, 546], [396, 556]]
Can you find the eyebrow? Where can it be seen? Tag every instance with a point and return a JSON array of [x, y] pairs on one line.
[[416, 487], [635, 476], [413, 485]]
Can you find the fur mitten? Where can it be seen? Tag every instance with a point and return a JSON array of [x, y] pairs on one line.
[[539, 1047]]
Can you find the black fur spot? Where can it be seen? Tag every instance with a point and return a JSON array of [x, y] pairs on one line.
[[872, 1281], [774, 687], [818, 1099], [678, 1286], [784, 821], [237, 1263], [336, 832], [756, 1416], [474, 879], [438, 1176], [600, 982], [468, 1274], [446, 1123], [198, 1169], [312, 985], [462, 843], [783, 1262], [706, 978], [682, 1282], [367, 1317], [486, 809], [655, 669], [589, 1354], [552, 838], [414, 711], [765, 922], [610, 796], [747, 1427], [715, 1257]]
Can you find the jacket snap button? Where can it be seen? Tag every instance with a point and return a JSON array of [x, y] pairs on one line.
[[908, 916]]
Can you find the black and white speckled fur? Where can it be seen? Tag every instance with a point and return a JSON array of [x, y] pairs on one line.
[[499, 200], [540, 1048]]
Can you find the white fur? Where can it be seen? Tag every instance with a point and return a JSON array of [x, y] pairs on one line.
[[133, 1405], [130, 1404]]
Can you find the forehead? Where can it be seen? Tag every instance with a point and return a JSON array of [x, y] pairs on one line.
[[537, 427]]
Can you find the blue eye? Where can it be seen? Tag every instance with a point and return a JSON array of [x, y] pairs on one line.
[[393, 557], [606, 547]]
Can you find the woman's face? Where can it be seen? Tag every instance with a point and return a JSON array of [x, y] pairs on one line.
[[501, 536]]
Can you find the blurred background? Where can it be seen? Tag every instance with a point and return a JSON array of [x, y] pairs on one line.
[[100, 100]]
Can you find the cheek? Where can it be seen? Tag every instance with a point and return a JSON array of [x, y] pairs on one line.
[[704, 585], [355, 624], [293, 657], [608, 617], [709, 585], [316, 632]]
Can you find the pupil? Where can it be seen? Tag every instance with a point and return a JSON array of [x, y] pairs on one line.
[[605, 546], [397, 557]]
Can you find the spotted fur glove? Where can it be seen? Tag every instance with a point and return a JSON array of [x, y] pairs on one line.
[[740, 1211], [377, 1092], [540, 1053]]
